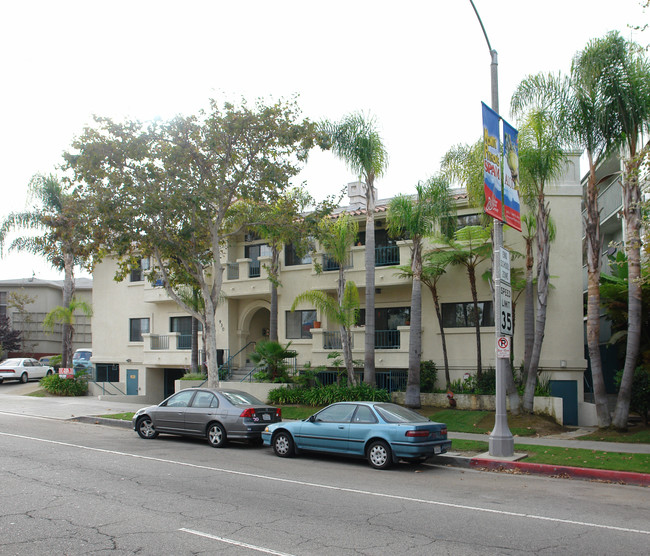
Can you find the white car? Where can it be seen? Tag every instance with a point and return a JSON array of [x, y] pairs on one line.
[[23, 369]]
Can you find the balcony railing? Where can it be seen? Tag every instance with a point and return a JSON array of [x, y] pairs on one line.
[[254, 269], [387, 339], [159, 342], [386, 255], [184, 341], [232, 271], [332, 340]]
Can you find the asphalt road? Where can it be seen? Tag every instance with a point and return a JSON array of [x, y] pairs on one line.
[[75, 488]]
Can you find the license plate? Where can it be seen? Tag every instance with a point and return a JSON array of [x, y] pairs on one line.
[[266, 417], [437, 449]]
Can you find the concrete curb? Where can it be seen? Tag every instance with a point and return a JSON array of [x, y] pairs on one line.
[[103, 421], [620, 477]]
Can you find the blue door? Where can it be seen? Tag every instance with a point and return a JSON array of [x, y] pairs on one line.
[[132, 382], [568, 391]]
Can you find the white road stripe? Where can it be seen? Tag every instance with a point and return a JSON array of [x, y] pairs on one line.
[[339, 489], [236, 543]]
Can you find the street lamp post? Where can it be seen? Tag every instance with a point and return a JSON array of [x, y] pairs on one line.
[[501, 442]]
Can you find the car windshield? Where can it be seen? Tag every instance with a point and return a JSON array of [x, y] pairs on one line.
[[392, 413], [10, 363], [82, 355], [241, 398]]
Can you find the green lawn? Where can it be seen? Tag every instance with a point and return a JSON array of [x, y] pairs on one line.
[[482, 422], [636, 435], [572, 457], [120, 416]]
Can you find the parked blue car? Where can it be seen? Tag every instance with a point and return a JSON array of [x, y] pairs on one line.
[[383, 433]]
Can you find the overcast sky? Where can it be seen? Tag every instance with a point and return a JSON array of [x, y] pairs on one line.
[[420, 67]]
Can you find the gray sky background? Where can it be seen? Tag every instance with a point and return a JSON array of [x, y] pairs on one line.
[[420, 67]]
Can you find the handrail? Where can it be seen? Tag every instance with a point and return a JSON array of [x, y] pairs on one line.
[[228, 363], [248, 376], [103, 387]]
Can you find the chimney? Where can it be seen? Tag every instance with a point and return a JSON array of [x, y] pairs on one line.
[[357, 194]]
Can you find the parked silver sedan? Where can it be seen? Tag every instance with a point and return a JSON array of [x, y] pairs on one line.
[[216, 414], [23, 369]]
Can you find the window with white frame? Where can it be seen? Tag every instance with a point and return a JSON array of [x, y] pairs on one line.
[[138, 327]]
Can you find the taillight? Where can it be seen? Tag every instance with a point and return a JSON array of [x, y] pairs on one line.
[[417, 433], [443, 431], [250, 413], [278, 413]]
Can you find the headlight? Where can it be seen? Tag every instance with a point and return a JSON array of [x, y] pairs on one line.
[[266, 429]]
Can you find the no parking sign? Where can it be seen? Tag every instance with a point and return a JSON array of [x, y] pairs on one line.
[[503, 347]]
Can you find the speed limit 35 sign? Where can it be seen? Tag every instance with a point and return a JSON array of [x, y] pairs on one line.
[[505, 311]]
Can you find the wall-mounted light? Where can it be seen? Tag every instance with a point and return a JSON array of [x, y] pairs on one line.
[[128, 360], [563, 363]]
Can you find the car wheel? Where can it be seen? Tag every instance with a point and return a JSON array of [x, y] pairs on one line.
[[24, 378], [283, 445], [145, 428], [49, 372], [379, 455], [217, 435]]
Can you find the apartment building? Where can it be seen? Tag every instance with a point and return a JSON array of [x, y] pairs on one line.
[[41, 296], [141, 345]]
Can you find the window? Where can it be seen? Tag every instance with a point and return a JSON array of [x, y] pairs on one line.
[[107, 372], [461, 315], [254, 252], [291, 258], [364, 415], [3, 304], [205, 399], [136, 273], [336, 413], [138, 327], [387, 318], [299, 323], [182, 325], [182, 399], [468, 220]]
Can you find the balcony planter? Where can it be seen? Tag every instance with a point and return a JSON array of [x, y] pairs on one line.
[[317, 324]]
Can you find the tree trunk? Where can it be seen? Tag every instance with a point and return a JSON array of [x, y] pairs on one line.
[[209, 331], [436, 304], [274, 275], [412, 396], [194, 362], [592, 235], [68, 294], [344, 330], [543, 255], [632, 213], [511, 388], [477, 323], [369, 339], [529, 308]]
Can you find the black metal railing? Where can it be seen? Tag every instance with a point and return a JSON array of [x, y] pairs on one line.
[[386, 255]]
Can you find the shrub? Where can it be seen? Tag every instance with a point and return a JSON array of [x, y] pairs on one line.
[[487, 384], [194, 376], [428, 375], [54, 384], [325, 395]]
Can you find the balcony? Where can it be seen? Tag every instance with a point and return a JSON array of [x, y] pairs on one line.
[[247, 277], [167, 349]]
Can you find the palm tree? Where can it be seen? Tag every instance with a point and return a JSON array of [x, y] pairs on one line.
[[470, 247], [577, 103], [336, 238], [541, 159], [414, 217], [624, 81], [66, 316], [64, 244], [356, 140]]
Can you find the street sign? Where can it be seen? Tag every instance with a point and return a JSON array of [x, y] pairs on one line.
[[66, 373], [504, 314], [504, 265], [503, 347]]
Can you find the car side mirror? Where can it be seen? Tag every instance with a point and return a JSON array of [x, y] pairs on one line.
[[312, 418]]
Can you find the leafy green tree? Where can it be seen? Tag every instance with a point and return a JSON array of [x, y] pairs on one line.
[[66, 316], [356, 140], [415, 218], [10, 339], [19, 300], [470, 247], [57, 213], [282, 223], [337, 237], [172, 190]]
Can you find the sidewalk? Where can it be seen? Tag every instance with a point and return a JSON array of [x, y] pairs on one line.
[[87, 409]]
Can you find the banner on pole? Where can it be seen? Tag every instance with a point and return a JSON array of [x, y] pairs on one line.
[[491, 163], [511, 176]]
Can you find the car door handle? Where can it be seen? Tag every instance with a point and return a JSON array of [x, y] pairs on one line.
[[341, 427]]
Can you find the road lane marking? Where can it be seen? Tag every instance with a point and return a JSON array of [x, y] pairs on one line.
[[236, 543], [336, 488]]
